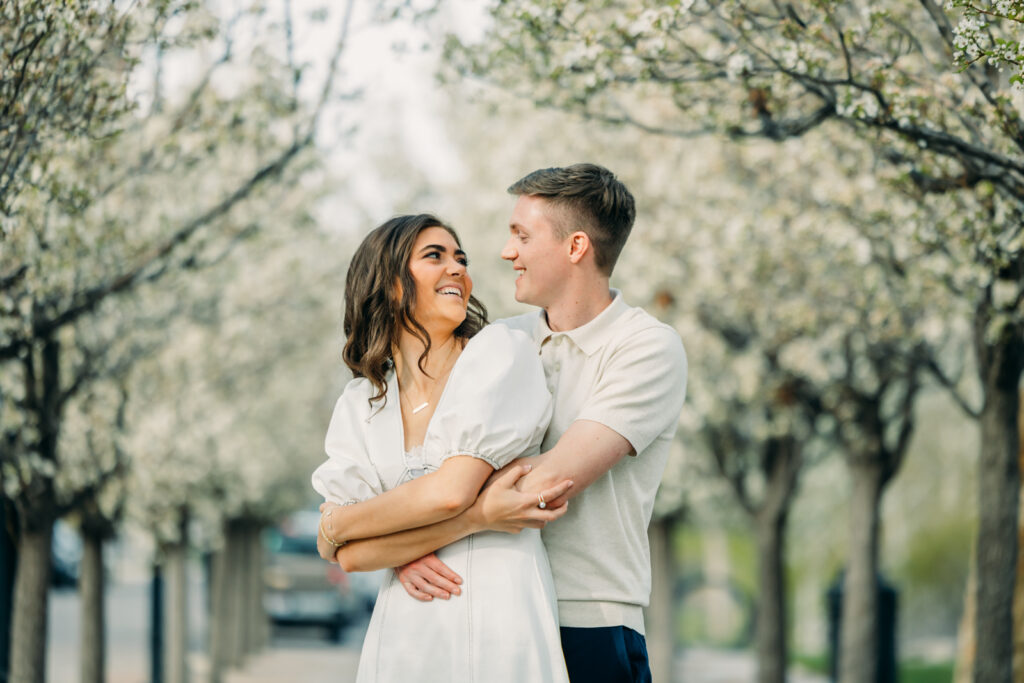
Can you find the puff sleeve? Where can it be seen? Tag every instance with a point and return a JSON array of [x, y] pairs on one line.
[[496, 406], [348, 476]]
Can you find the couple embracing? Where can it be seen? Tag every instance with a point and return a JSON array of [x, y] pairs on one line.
[[506, 470]]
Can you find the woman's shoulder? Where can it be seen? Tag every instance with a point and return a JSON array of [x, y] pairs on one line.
[[356, 395], [498, 338]]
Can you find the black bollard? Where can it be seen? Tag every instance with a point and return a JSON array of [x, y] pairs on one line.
[[156, 626], [886, 668]]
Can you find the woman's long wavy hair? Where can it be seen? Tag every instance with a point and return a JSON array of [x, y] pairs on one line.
[[374, 317]]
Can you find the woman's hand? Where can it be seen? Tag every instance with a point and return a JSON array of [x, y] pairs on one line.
[[503, 507], [325, 544]]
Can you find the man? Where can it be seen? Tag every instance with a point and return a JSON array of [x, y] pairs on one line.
[[618, 378]]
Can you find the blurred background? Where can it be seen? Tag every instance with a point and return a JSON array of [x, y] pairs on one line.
[[830, 200]]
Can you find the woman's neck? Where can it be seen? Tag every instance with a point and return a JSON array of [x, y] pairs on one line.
[[407, 358]]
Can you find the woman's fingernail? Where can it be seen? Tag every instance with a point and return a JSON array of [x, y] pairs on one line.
[[457, 592], [527, 468]]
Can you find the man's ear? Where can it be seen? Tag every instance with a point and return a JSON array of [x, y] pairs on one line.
[[579, 246]]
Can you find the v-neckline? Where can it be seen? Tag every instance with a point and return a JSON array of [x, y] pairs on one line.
[[440, 401]]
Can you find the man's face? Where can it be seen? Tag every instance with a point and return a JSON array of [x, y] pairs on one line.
[[536, 253]]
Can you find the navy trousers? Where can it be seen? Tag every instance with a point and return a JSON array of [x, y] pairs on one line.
[[610, 654]]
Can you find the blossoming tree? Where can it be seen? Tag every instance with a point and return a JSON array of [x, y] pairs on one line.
[[88, 222]]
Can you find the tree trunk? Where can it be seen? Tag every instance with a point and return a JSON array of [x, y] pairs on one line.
[[965, 647], [218, 614], [32, 579], [91, 589], [1018, 600], [781, 462], [661, 613], [770, 628], [234, 589], [257, 623], [247, 571], [1018, 596], [1000, 366], [176, 615], [858, 631]]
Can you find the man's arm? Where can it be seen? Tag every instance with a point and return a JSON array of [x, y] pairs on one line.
[[510, 511], [584, 453]]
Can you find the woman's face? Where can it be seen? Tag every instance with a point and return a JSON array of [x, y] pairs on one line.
[[443, 285]]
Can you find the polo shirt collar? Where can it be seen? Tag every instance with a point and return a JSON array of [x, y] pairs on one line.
[[590, 336]]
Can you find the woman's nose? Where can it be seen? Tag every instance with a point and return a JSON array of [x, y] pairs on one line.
[[508, 252]]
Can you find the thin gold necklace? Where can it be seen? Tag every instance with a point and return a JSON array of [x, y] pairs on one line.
[[433, 389]]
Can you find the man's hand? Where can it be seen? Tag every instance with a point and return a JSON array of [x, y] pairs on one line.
[[503, 507], [428, 578], [327, 550]]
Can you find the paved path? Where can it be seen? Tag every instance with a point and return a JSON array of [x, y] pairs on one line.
[[303, 664], [294, 656]]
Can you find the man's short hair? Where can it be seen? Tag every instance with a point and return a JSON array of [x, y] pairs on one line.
[[592, 199]]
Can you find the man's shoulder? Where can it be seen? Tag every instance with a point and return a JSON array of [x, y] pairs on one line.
[[636, 328]]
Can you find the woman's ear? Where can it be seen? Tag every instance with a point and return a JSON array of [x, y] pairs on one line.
[[579, 245]]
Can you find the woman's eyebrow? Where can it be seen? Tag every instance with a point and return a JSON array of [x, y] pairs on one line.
[[441, 248]]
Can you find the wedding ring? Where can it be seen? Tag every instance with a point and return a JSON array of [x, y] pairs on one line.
[[540, 502]]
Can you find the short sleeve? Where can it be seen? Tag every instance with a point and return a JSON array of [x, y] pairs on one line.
[[641, 389], [496, 405], [347, 476]]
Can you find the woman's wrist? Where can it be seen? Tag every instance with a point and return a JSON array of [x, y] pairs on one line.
[[327, 528], [474, 518]]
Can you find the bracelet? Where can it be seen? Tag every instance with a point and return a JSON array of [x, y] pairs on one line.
[[328, 538]]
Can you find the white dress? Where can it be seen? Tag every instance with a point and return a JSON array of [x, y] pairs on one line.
[[504, 627]]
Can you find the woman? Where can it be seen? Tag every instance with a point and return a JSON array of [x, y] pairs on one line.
[[438, 404]]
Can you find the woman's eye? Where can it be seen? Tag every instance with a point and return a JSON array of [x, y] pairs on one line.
[[464, 261], [434, 255]]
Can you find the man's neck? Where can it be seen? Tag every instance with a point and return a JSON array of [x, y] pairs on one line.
[[577, 306]]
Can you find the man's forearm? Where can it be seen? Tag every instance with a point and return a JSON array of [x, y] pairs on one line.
[[584, 453], [394, 550]]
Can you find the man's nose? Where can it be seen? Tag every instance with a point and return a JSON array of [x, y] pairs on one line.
[[508, 252]]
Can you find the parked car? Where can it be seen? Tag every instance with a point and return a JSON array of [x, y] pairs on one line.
[[299, 587], [66, 556]]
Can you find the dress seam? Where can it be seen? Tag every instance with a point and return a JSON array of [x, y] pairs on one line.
[[469, 605], [386, 594]]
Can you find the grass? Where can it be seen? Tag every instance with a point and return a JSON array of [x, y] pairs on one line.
[[910, 671]]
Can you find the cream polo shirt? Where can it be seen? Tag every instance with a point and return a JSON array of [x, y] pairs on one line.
[[627, 371]]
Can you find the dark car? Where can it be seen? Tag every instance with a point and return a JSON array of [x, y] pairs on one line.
[[66, 556], [300, 587]]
